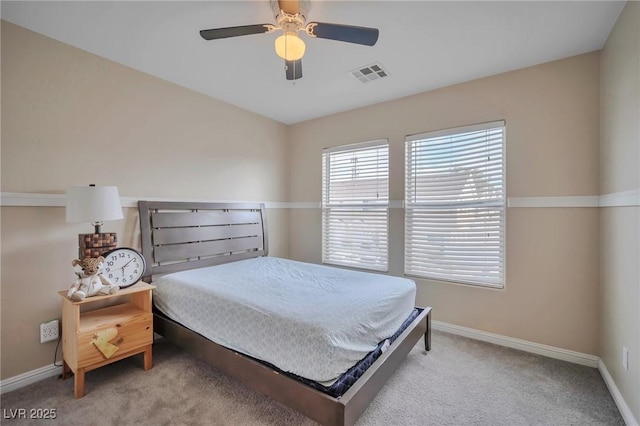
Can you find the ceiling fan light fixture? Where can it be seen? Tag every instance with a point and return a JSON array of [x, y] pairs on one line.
[[289, 46], [291, 18]]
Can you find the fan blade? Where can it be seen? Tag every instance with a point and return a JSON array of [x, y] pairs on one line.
[[348, 33], [293, 69], [216, 33], [289, 6]]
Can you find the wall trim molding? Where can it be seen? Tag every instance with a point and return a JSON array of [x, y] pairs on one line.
[[568, 201], [630, 198], [302, 205], [25, 379], [26, 199], [523, 345], [625, 411]]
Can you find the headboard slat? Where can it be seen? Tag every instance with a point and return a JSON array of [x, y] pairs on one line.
[[174, 219], [188, 251], [183, 235], [203, 263]]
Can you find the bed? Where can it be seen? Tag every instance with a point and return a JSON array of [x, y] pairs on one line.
[[186, 245]]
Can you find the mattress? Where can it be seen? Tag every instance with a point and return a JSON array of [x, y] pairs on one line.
[[338, 387], [312, 321]]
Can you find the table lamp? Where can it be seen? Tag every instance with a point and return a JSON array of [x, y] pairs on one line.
[[94, 204]]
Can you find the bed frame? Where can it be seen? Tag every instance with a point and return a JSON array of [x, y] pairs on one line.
[[178, 236]]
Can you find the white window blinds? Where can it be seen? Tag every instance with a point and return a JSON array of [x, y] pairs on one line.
[[355, 201], [455, 205]]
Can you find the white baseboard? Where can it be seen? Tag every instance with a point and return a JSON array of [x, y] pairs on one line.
[[548, 351], [627, 415], [24, 379], [523, 345], [51, 370]]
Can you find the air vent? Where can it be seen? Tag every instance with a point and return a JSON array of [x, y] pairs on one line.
[[370, 73]]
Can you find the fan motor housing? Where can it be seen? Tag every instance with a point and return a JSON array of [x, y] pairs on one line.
[[288, 21]]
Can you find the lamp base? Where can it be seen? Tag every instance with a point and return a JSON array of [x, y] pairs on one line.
[[95, 245]]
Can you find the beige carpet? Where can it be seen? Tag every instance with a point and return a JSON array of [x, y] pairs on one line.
[[460, 382]]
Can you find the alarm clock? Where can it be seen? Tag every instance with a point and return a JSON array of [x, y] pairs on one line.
[[124, 266]]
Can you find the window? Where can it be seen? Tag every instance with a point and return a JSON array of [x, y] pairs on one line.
[[355, 202], [455, 205]]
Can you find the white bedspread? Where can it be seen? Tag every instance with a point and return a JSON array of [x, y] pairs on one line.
[[311, 320]]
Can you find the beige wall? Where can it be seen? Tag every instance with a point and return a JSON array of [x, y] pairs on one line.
[[71, 118], [620, 226], [552, 119], [61, 107]]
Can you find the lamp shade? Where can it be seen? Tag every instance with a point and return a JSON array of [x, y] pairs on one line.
[[93, 204], [289, 46]]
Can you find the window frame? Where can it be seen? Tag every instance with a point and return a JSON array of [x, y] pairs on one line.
[[354, 207], [410, 206]]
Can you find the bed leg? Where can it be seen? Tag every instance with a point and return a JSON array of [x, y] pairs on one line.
[[427, 334]]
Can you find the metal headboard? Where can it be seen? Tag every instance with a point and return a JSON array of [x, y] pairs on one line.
[[177, 236]]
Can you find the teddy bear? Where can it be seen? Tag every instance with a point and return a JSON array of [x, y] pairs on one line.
[[90, 280]]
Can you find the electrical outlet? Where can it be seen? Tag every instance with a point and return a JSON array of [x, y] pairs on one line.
[[625, 358], [49, 331]]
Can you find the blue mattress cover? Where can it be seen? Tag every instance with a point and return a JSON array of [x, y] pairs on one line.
[[344, 382]]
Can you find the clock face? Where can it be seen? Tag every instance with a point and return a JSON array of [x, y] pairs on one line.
[[123, 266]]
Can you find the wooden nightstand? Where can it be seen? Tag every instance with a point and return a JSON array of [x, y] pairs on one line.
[[99, 337]]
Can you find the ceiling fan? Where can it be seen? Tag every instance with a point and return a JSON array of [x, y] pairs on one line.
[[291, 18]]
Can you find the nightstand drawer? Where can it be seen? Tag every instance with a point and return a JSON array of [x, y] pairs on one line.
[[113, 340]]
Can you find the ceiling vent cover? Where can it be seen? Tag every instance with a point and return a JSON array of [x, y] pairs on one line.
[[370, 73]]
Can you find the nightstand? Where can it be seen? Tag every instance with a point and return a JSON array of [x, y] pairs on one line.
[[94, 338]]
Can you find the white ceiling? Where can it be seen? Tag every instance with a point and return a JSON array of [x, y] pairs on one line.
[[423, 44]]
